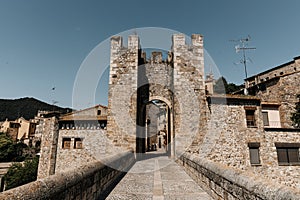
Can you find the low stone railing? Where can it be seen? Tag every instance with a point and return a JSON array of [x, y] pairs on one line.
[[226, 183], [91, 181]]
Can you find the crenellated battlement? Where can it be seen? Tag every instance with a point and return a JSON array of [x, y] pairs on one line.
[[179, 42]]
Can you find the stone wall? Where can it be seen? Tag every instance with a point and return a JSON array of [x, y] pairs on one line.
[[228, 136], [283, 91], [94, 147], [287, 175], [279, 85], [88, 182], [226, 183], [122, 93], [48, 148], [189, 89]]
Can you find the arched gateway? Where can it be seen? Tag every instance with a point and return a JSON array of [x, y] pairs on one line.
[[169, 87]]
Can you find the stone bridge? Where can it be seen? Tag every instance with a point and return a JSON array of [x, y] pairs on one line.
[[155, 177]]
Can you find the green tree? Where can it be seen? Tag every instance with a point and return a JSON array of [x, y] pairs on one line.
[[20, 174], [296, 115], [10, 150], [223, 87], [231, 87], [6, 148], [220, 86]]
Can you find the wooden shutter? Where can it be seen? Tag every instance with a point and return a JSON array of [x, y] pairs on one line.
[[254, 156], [293, 155], [265, 118], [282, 155]]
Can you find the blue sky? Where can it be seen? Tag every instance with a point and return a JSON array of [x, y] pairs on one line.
[[43, 43]]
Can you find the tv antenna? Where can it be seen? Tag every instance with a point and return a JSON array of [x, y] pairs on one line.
[[243, 46], [54, 102]]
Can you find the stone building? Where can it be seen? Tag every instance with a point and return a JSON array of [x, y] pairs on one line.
[[278, 88], [20, 129], [254, 133], [237, 137], [72, 139]]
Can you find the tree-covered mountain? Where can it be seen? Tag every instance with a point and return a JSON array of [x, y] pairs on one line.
[[12, 109]]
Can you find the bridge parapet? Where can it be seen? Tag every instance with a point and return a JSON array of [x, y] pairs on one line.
[[228, 183], [90, 181]]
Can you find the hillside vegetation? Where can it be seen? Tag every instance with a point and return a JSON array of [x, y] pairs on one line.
[[25, 107]]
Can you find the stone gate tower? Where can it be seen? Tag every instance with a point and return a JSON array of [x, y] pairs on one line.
[[175, 80]]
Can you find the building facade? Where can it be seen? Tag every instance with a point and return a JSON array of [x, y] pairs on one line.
[[20, 129]]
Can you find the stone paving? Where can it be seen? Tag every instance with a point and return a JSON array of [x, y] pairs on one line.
[[157, 178]]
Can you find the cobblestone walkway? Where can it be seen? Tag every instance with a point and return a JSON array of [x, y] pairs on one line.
[[157, 178]]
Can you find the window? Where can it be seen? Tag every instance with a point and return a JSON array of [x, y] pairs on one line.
[[99, 112], [288, 153], [66, 143], [250, 118], [254, 153], [271, 116], [78, 143], [265, 118]]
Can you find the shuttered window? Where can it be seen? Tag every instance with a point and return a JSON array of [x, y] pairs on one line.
[[293, 155], [250, 118], [254, 153], [254, 156], [288, 155], [265, 118]]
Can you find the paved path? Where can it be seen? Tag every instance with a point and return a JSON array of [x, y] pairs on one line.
[[157, 178]]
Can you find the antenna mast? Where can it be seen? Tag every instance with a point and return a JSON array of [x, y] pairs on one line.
[[243, 47]]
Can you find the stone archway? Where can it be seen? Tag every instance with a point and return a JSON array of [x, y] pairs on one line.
[[158, 133]]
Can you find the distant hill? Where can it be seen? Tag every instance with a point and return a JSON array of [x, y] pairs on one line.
[[25, 107]]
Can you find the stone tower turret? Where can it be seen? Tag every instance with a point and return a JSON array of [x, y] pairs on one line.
[[189, 88], [122, 91]]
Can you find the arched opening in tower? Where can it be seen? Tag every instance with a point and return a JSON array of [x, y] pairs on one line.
[[155, 138]]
